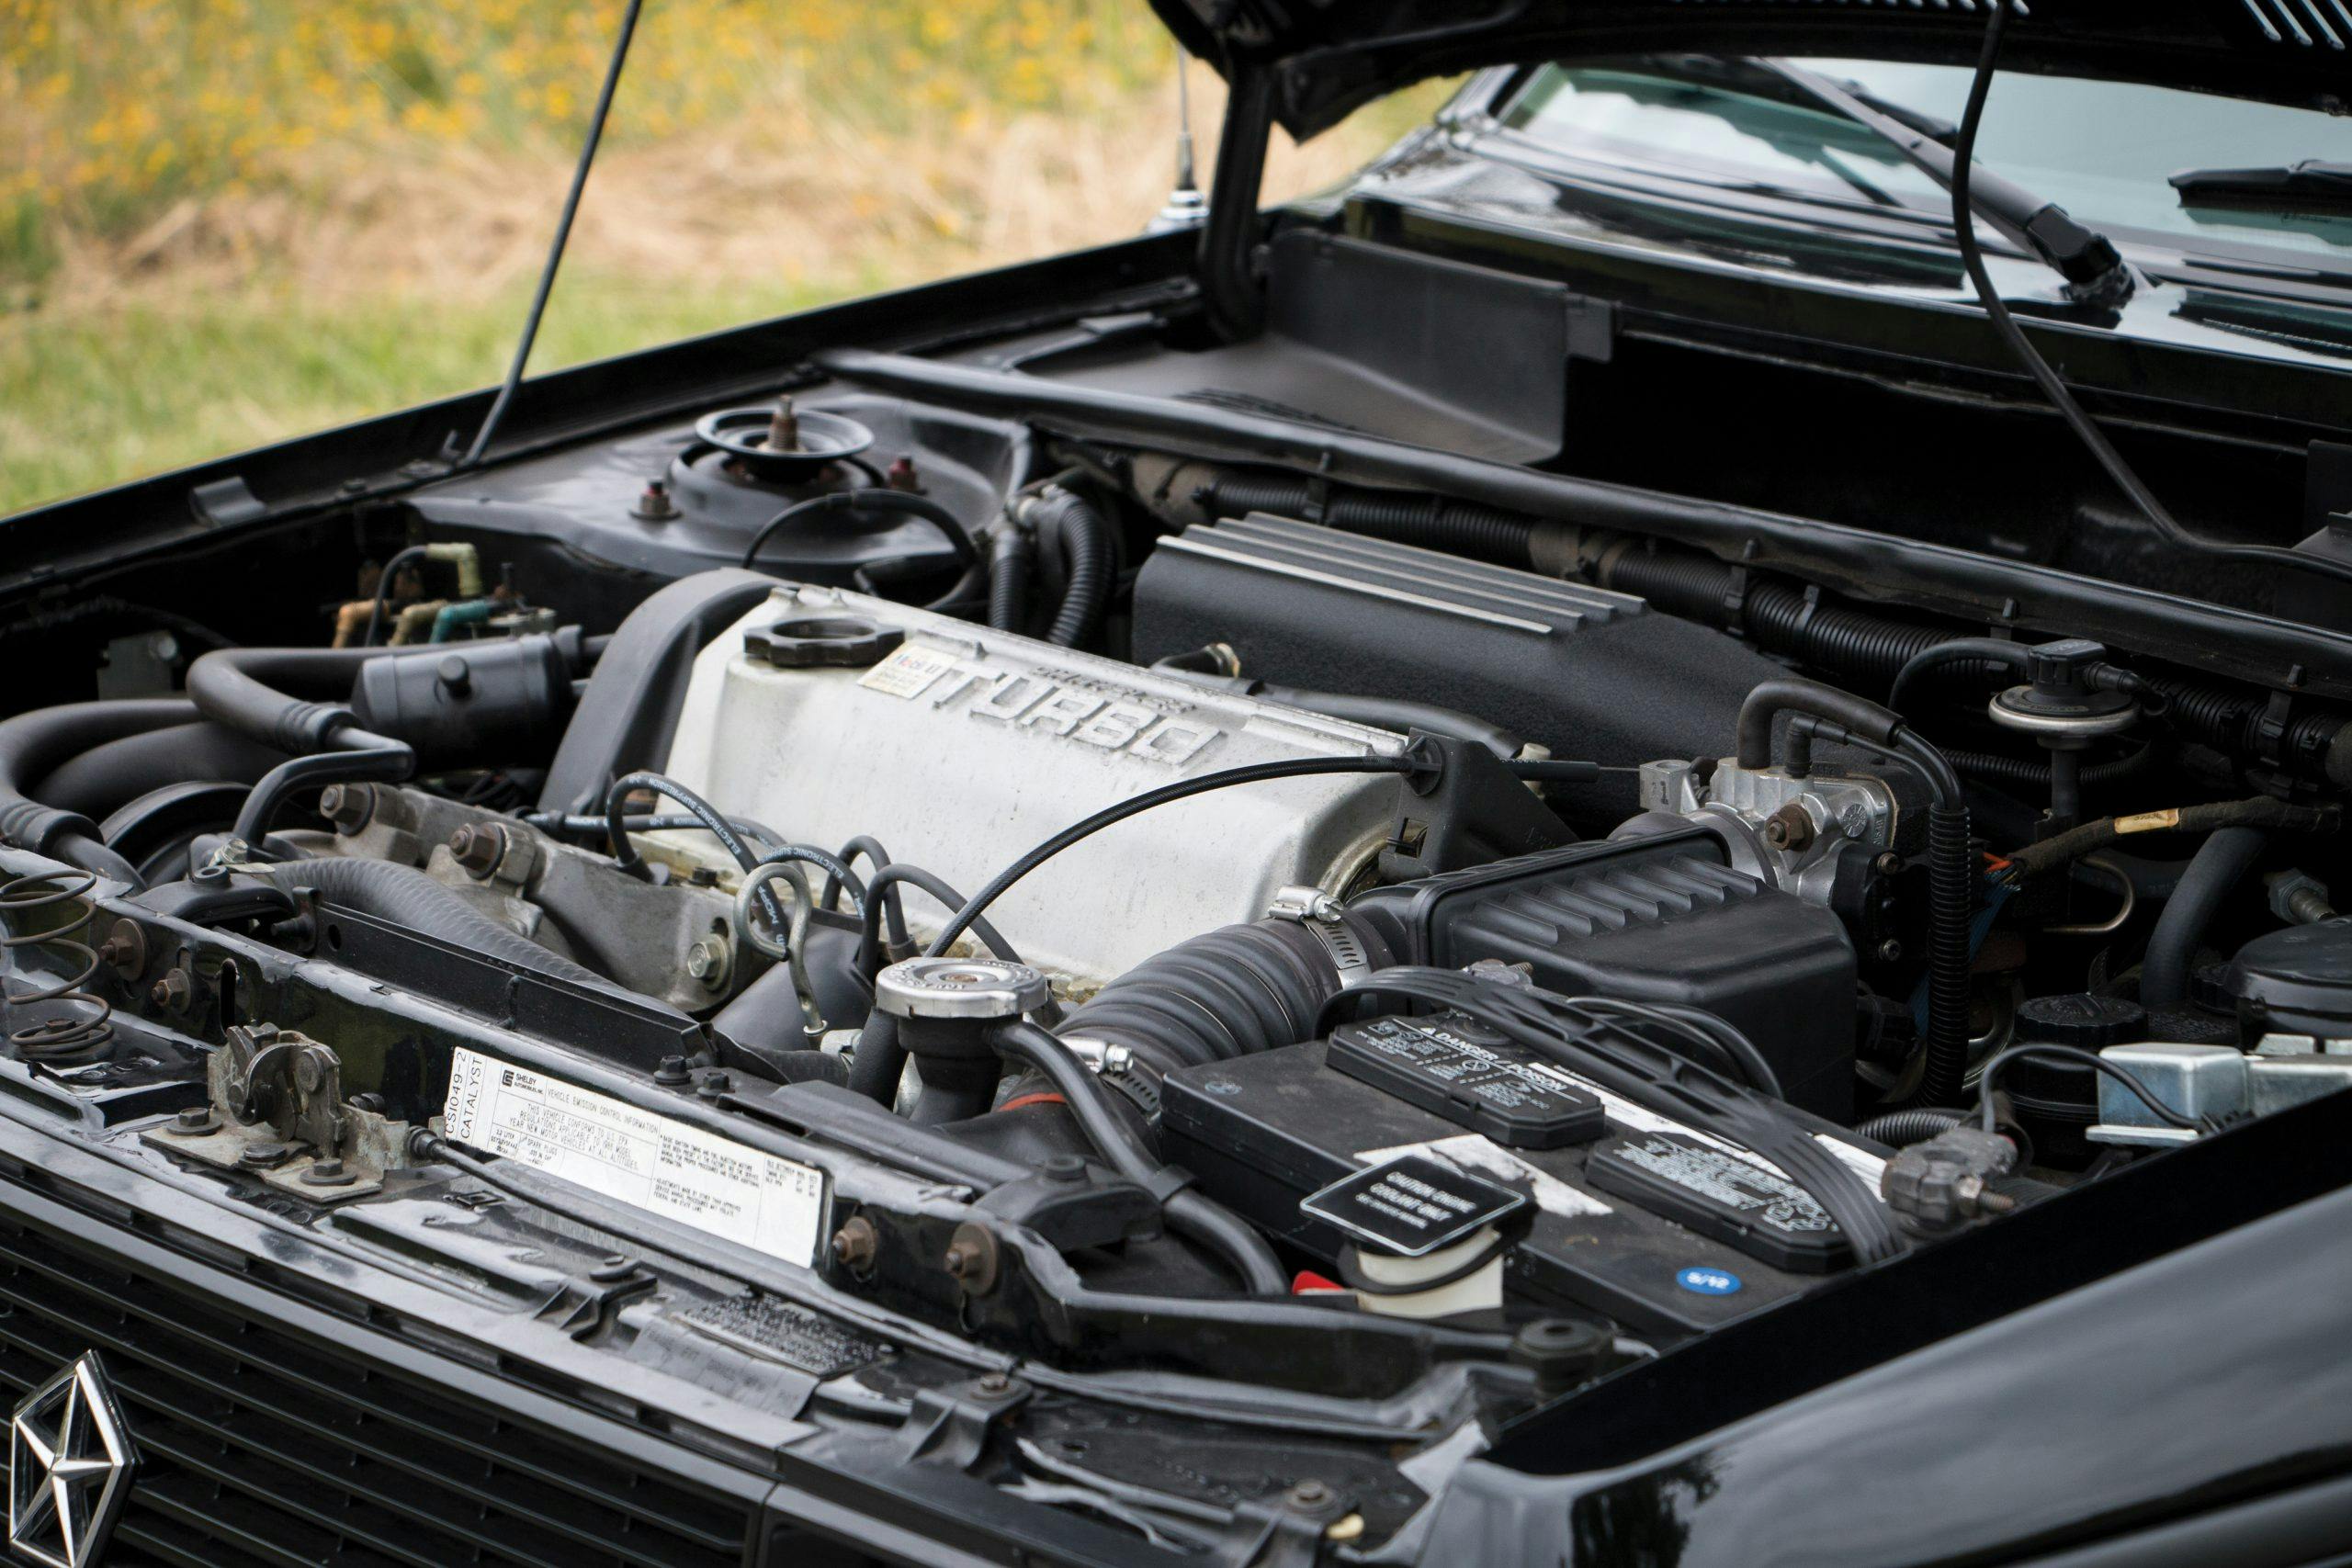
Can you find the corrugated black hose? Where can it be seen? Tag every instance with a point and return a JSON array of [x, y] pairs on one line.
[[1069, 523]]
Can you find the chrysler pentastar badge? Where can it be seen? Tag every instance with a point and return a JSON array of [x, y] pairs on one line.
[[70, 1460]]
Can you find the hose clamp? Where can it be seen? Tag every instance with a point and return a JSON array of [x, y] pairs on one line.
[[1324, 918]]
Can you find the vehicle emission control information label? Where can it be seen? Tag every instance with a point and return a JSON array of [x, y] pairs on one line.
[[650, 1162]]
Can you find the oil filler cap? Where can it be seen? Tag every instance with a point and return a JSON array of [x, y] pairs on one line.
[[966, 988], [807, 642]]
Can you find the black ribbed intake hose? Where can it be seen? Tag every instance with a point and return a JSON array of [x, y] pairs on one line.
[[1230, 992], [1429, 521], [1068, 523]]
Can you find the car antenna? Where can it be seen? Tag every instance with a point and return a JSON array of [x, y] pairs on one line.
[[562, 235], [1186, 206]]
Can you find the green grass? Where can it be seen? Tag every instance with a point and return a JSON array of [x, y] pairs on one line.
[[90, 397]]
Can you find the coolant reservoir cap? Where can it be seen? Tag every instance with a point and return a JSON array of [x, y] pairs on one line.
[[2081, 1019], [804, 642], [984, 988]]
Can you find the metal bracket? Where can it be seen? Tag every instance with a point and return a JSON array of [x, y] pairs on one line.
[[950, 1426], [277, 1112]]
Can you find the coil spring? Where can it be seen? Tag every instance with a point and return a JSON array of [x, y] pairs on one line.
[[82, 1032]]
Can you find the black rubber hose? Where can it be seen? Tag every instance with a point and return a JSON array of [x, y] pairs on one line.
[[887, 882], [351, 755], [112, 774], [400, 559], [34, 745], [880, 1060], [1011, 557], [1768, 699], [1230, 992], [1426, 520], [278, 697], [1976, 653], [627, 859], [893, 911], [1185, 1210], [2215, 869], [1083, 537], [1904, 1128], [407, 897]]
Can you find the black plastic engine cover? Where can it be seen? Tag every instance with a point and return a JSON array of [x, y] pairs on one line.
[[1662, 918], [1590, 674]]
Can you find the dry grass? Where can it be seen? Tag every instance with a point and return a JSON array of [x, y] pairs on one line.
[[224, 222], [776, 196]]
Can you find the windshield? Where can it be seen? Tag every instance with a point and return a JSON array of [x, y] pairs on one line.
[[2101, 150]]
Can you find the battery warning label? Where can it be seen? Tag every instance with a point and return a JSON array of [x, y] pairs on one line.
[[617, 1151]]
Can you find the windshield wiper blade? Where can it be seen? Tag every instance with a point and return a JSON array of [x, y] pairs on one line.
[[2085, 258], [2308, 186]]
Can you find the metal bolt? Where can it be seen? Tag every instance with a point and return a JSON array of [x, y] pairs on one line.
[[1889, 951], [855, 1245], [970, 1259], [1790, 827], [261, 1156], [707, 961], [1062, 1167], [714, 1083], [1887, 863], [671, 1073], [479, 847], [1310, 1494], [614, 1268], [195, 1119], [783, 428], [348, 807], [124, 949], [654, 504], [329, 1172], [995, 1384], [172, 991], [454, 674]]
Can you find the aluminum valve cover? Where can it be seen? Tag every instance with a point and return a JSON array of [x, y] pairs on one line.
[[959, 747]]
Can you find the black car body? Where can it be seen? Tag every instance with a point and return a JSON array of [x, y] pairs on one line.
[[413, 1172]]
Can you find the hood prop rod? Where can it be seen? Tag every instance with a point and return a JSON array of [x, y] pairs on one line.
[[1227, 262]]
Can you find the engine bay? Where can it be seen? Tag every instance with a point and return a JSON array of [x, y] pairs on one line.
[[1301, 951]]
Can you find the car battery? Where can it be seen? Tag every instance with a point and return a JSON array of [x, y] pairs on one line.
[[1665, 1228]]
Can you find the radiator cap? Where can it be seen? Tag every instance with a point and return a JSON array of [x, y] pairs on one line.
[[987, 989]]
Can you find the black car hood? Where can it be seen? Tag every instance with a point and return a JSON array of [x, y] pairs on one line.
[[1331, 56]]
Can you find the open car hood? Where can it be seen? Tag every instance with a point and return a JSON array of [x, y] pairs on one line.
[[1331, 56]]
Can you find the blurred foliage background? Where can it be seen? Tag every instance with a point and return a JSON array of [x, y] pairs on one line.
[[224, 222]]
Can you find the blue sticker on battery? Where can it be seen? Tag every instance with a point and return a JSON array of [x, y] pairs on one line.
[[1709, 1281]]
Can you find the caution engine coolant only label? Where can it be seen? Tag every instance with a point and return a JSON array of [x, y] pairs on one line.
[[654, 1163]]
